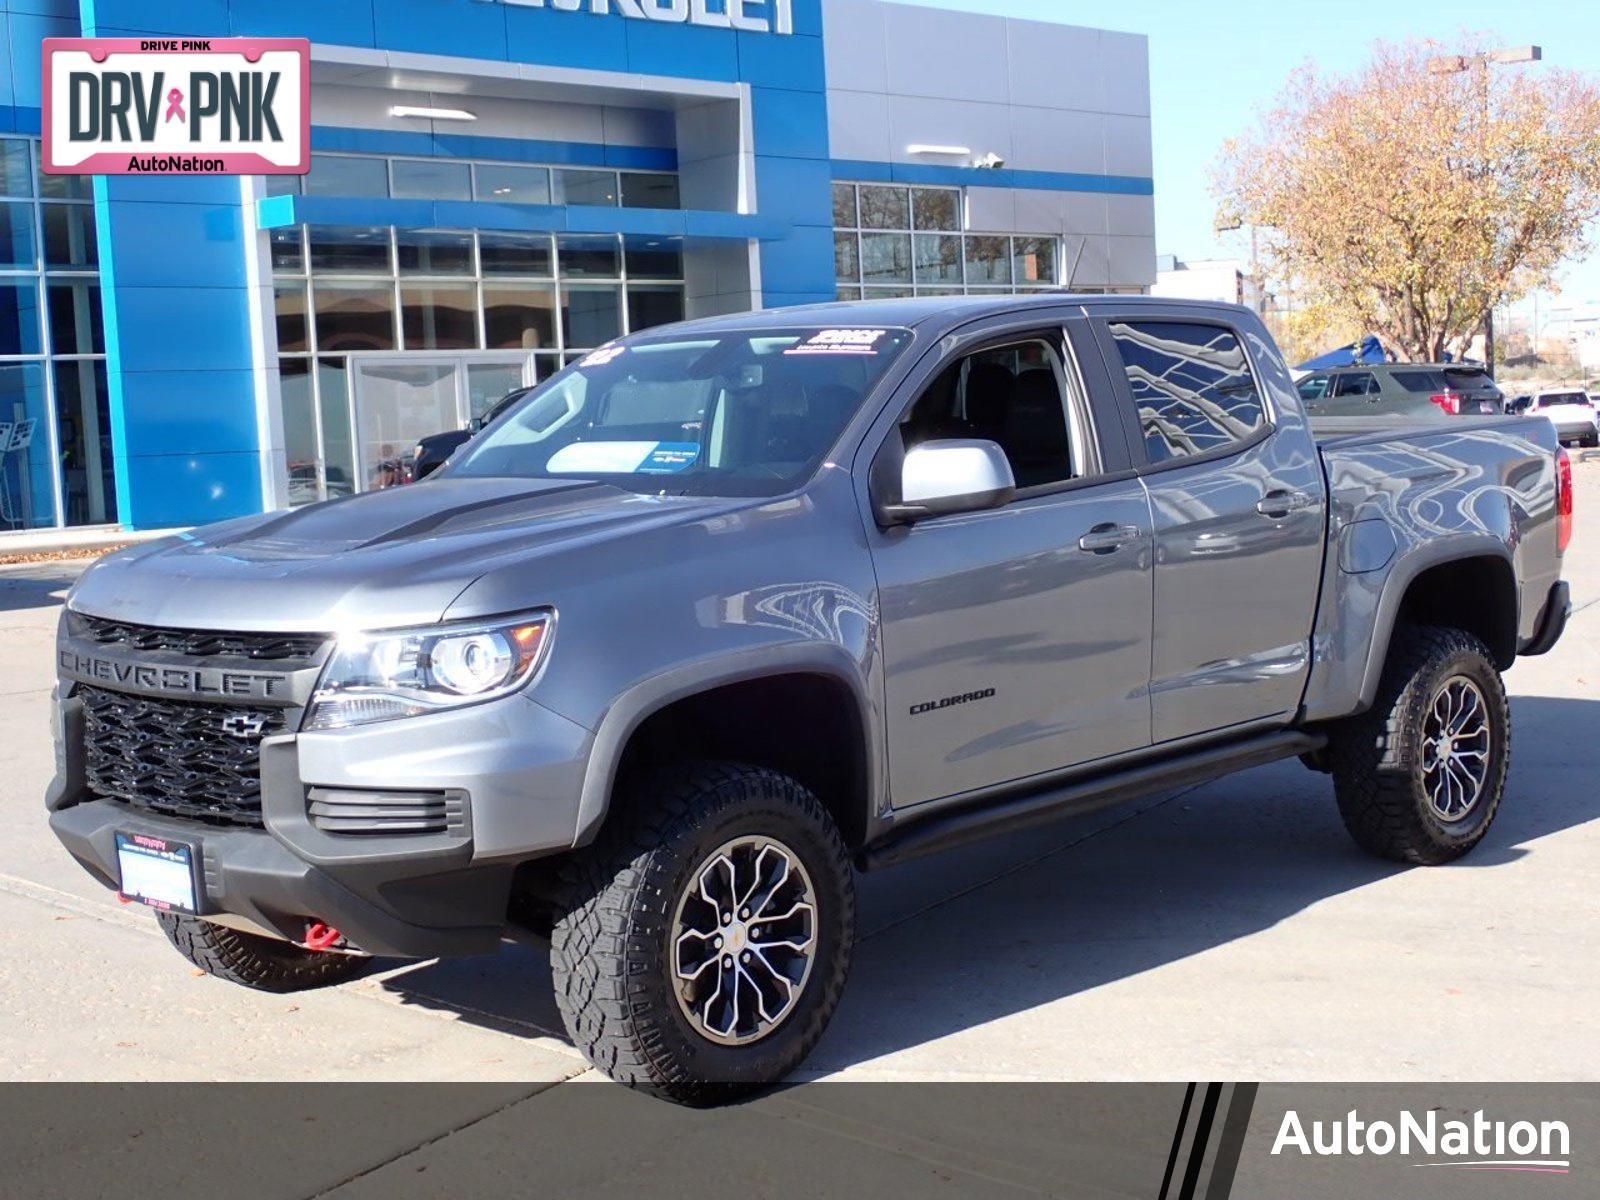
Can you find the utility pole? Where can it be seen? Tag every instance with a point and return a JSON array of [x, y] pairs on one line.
[[1456, 64]]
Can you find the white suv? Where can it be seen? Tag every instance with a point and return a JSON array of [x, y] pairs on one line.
[[1572, 413]]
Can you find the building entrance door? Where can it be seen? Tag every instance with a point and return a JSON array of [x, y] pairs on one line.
[[399, 400]]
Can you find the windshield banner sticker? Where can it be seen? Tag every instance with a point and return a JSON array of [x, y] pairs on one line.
[[669, 458], [624, 458], [842, 341], [604, 356]]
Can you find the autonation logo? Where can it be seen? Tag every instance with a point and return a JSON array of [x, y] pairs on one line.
[[1478, 1144]]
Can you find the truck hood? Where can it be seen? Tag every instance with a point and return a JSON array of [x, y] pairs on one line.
[[378, 560]]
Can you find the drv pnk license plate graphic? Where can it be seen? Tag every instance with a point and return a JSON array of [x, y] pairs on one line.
[[177, 106]]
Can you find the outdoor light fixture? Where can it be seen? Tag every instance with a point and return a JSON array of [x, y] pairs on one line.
[[919, 148], [432, 114], [990, 162]]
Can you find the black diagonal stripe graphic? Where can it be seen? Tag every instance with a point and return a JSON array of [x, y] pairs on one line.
[[1231, 1145], [1177, 1141], [1202, 1138]]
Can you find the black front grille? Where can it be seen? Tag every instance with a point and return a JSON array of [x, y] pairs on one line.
[[201, 761], [200, 643]]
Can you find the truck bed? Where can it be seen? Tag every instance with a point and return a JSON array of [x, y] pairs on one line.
[[1335, 431]]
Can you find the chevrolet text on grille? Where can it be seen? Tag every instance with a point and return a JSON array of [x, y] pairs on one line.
[[185, 681]]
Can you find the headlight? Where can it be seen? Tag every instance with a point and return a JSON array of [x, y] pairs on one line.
[[407, 672]]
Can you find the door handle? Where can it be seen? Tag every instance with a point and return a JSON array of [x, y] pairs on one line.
[[1108, 539], [1284, 504]]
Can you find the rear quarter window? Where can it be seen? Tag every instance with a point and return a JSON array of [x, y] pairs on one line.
[[1192, 386]]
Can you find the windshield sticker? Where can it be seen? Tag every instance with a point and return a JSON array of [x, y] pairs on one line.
[[624, 458], [842, 341], [604, 356], [600, 458], [669, 458]]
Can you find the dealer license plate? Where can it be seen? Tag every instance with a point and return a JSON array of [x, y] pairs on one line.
[[157, 871]]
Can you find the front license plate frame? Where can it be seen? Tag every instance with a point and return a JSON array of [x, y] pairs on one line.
[[158, 872]]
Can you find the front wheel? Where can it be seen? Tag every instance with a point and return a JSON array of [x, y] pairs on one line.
[[1419, 778], [705, 938], [253, 961]]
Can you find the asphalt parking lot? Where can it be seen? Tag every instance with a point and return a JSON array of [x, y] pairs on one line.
[[1230, 931]]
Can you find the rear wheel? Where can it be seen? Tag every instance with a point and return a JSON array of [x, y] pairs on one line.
[[254, 961], [1419, 778], [704, 940]]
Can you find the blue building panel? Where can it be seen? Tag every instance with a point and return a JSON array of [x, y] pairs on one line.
[[796, 63], [199, 411], [468, 28], [215, 231], [182, 489], [656, 48]]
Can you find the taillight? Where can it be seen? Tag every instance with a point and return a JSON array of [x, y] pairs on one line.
[[1449, 401], [1563, 501]]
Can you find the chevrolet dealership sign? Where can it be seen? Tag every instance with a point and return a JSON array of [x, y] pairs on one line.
[[177, 106], [747, 16]]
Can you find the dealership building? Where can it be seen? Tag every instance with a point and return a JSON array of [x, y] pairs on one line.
[[498, 185]]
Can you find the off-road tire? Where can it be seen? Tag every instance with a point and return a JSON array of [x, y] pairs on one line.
[[610, 950], [1377, 757], [254, 961]]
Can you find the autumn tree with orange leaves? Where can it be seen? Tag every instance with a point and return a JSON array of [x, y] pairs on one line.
[[1412, 203]]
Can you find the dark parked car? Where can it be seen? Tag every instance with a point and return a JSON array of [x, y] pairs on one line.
[[1401, 389], [431, 452]]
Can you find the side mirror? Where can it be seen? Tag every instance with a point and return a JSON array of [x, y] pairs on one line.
[[475, 426], [938, 479]]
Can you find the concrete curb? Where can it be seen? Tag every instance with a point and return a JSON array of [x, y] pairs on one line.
[[56, 541]]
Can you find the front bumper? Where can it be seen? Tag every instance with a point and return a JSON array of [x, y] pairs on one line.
[[516, 766]]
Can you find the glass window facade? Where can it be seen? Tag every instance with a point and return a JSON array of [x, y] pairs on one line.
[[374, 175], [56, 464], [413, 293], [913, 241]]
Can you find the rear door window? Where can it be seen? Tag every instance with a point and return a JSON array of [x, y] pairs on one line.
[[1360, 383], [1192, 386]]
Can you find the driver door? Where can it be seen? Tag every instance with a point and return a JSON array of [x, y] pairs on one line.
[[1016, 641]]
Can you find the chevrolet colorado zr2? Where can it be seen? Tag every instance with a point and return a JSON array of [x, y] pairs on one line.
[[729, 611]]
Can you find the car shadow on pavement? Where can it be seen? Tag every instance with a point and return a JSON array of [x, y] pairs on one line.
[[42, 585], [1005, 927]]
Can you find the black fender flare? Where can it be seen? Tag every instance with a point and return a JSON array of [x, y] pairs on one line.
[[650, 696]]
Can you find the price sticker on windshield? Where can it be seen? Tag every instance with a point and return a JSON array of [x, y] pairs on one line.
[[604, 356], [842, 341]]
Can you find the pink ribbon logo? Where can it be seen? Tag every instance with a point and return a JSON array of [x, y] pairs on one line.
[[175, 105]]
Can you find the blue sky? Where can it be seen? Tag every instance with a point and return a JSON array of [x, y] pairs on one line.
[[1214, 64]]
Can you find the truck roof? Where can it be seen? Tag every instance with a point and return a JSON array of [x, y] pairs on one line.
[[928, 312]]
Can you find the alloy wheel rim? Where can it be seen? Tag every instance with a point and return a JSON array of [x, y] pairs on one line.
[[1456, 747], [743, 940]]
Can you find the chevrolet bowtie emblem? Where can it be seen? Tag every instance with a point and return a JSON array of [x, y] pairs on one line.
[[243, 725]]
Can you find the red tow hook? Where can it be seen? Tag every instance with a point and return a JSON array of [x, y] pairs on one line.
[[321, 937]]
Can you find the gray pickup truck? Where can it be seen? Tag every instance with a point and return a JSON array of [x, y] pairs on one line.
[[728, 611]]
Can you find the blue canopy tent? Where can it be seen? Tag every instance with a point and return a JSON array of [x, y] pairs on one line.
[[1367, 350]]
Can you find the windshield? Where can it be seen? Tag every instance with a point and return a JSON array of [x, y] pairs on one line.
[[1558, 398], [727, 414]]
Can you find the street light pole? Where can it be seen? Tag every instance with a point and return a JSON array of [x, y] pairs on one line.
[[1456, 64]]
